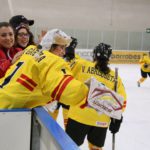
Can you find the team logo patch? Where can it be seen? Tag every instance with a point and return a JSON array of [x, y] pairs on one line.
[[104, 100]]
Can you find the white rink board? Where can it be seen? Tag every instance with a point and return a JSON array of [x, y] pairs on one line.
[[15, 130]]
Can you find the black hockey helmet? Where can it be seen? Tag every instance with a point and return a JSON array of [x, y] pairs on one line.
[[102, 51]]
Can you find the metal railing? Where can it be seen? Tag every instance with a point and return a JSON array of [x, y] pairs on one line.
[[119, 40]]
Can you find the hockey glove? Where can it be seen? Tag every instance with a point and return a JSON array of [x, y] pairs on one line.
[[74, 43], [115, 125], [70, 50], [145, 65]]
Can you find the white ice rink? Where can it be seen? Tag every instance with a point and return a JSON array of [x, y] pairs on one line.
[[134, 133]]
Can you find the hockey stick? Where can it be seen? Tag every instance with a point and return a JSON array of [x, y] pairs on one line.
[[115, 89]]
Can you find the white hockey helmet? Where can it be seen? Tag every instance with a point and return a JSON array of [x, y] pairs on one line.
[[55, 36]]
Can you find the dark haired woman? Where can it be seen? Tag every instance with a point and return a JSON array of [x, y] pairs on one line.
[[23, 37], [7, 48]]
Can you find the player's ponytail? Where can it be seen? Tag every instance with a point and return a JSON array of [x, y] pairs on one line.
[[102, 66]]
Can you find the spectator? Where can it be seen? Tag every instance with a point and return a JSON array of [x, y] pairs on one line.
[[17, 20], [7, 49], [41, 35], [23, 37]]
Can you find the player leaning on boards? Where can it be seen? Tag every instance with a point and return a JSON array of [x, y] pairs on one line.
[[39, 77], [68, 55], [145, 68], [87, 122]]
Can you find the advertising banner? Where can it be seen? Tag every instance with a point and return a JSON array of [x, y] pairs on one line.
[[118, 56]]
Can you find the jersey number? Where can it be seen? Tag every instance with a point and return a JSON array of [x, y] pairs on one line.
[[7, 79]]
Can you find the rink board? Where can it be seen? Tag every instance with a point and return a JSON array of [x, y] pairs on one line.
[[15, 127], [25, 129]]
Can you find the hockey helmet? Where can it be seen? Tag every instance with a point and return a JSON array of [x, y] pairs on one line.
[[55, 36], [102, 51]]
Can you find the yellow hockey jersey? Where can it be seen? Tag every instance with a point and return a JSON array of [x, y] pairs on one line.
[[37, 78], [145, 60], [83, 70]]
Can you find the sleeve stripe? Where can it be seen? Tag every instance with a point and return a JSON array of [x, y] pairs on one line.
[[63, 87], [25, 84], [84, 105], [57, 87], [28, 79]]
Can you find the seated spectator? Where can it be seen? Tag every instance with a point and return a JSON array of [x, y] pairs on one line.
[[7, 49]]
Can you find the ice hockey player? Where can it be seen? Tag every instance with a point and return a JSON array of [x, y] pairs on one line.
[[68, 55], [87, 122], [145, 68]]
